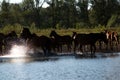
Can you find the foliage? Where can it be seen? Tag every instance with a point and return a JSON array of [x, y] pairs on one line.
[[33, 29], [111, 21], [61, 14], [8, 28], [17, 28]]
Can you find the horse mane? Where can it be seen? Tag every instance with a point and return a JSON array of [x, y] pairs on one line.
[[54, 34]]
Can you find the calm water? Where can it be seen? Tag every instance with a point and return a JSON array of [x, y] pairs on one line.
[[61, 68]]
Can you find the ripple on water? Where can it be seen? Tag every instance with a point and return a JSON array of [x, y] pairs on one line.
[[64, 68]]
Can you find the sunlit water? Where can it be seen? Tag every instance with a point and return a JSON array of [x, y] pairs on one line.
[[17, 51], [60, 68]]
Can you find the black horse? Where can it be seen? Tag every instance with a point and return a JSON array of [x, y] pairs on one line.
[[25, 34], [62, 40], [88, 39], [37, 42], [55, 45], [2, 36]]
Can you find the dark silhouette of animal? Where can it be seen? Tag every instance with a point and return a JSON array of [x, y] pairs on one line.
[[88, 39], [2, 36], [55, 45], [43, 42], [62, 40], [36, 42], [9, 40], [25, 34]]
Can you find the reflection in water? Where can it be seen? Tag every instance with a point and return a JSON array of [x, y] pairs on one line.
[[61, 68]]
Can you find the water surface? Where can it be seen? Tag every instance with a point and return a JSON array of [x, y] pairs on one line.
[[60, 68]]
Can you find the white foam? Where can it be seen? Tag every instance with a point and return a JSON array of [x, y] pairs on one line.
[[18, 51]]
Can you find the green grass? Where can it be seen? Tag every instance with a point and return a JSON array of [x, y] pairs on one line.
[[18, 28]]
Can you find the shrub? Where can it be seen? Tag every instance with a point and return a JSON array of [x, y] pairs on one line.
[[8, 28]]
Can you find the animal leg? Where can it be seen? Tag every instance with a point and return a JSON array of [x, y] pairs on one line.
[[75, 46]]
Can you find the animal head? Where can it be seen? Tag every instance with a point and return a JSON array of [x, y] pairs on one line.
[[12, 34], [104, 37], [74, 35], [53, 33], [25, 33], [108, 34]]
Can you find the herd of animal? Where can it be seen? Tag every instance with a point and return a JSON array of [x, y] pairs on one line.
[[56, 43]]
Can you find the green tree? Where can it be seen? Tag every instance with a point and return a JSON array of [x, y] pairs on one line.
[[102, 10], [4, 13], [15, 12], [83, 12]]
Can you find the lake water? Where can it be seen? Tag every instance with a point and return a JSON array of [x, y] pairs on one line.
[[60, 68]]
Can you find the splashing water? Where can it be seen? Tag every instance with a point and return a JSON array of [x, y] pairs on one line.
[[18, 51]]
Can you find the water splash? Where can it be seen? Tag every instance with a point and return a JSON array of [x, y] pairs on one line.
[[18, 51]]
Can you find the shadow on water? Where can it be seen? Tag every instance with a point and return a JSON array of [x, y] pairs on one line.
[[27, 59], [98, 55], [55, 58]]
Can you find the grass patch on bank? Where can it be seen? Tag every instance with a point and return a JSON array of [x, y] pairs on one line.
[[18, 28]]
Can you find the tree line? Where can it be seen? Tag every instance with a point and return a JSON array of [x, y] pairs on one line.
[[61, 13]]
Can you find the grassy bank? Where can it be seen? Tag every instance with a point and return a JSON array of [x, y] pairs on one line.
[[18, 28]]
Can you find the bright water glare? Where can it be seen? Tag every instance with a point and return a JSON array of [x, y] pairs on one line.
[[62, 68], [17, 51]]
